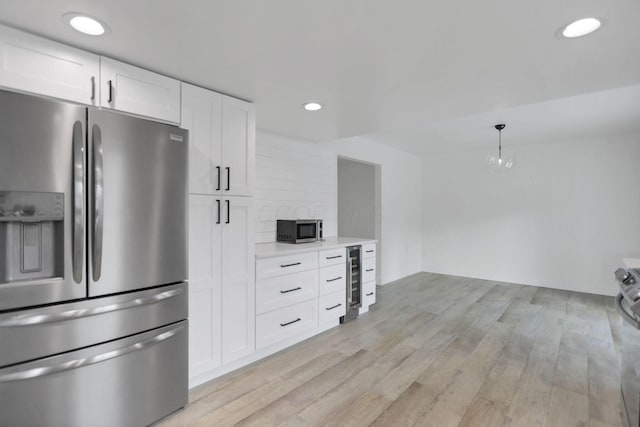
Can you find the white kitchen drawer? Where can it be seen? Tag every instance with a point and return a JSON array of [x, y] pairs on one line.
[[369, 293], [270, 267], [369, 251], [332, 306], [333, 278], [368, 270], [332, 256], [285, 323], [282, 291]]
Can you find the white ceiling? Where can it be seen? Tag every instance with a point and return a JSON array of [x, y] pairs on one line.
[[396, 70]]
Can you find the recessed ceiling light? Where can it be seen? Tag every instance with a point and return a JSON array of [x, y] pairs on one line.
[[312, 106], [581, 27], [85, 24]]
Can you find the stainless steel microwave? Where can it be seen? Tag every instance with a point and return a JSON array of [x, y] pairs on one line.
[[299, 230]]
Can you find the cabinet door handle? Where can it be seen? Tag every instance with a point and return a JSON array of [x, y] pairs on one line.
[[369, 294], [218, 187], [371, 269], [289, 323], [290, 290], [333, 280], [93, 88], [289, 265], [334, 257], [331, 308], [218, 203], [370, 251], [110, 83], [228, 212], [228, 168]]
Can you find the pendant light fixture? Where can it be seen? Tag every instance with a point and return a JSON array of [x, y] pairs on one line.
[[500, 163]]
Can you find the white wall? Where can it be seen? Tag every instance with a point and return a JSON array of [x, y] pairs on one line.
[[562, 218], [356, 199], [401, 204], [294, 179]]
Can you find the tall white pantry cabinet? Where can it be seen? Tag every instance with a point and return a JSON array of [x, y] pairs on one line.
[[221, 228]]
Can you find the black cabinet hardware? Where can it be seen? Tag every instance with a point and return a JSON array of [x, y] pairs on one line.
[[228, 178], [290, 290], [110, 100], [218, 187], [93, 88], [228, 212], [289, 323], [289, 265], [371, 269], [218, 202], [333, 280], [331, 308], [369, 294], [334, 257], [370, 251]]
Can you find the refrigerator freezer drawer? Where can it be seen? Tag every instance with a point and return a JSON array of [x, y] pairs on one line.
[[129, 382], [45, 331]]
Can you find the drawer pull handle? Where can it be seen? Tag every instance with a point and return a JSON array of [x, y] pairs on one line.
[[289, 323], [371, 269], [331, 308], [334, 257], [369, 294], [289, 265], [333, 280], [370, 251], [290, 290]]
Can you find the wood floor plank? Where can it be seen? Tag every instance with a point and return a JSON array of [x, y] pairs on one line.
[[484, 413], [568, 409], [436, 350], [530, 403]]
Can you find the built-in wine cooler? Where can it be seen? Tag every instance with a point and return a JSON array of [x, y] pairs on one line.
[[354, 283]]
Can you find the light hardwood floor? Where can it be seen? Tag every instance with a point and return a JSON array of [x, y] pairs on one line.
[[436, 351]]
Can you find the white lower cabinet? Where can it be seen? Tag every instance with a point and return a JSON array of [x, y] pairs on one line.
[[333, 279], [205, 320], [282, 291], [285, 323], [368, 276], [238, 278], [368, 294], [221, 281], [332, 307]]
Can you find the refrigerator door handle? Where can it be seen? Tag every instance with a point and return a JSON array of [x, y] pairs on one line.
[[42, 371], [30, 319], [97, 202], [78, 202]]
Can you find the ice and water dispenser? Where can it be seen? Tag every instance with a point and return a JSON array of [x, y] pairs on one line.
[[31, 236]]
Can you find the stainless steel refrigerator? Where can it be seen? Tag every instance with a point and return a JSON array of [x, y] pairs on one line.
[[93, 263]]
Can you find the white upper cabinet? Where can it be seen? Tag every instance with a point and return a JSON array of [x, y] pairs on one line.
[[138, 91], [40, 66], [222, 140], [202, 116], [238, 146]]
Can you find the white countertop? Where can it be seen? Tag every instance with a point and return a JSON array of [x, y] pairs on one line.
[[631, 262], [266, 250]]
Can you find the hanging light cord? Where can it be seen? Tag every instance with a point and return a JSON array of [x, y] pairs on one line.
[[500, 144]]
